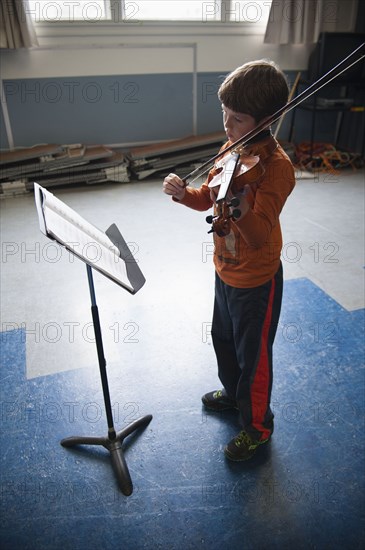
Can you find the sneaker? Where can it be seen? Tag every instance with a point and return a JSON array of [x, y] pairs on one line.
[[242, 447], [218, 401]]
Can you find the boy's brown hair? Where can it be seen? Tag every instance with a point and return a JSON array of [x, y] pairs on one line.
[[258, 88]]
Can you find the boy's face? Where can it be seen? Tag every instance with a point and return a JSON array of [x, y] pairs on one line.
[[237, 125]]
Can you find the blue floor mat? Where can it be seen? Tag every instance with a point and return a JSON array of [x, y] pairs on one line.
[[303, 490]]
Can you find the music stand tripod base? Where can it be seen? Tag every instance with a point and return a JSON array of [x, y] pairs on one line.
[[113, 443], [114, 446]]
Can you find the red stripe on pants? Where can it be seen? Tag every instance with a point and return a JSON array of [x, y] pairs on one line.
[[259, 390]]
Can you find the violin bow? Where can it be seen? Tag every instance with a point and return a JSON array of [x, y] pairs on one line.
[[291, 95], [332, 74]]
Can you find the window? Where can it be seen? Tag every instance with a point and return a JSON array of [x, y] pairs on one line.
[[133, 11], [162, 10], [68, 10]]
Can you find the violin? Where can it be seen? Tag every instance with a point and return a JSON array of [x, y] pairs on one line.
[[246, 166], [241, 161]]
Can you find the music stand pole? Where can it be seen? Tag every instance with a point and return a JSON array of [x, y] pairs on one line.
[[113, 443]]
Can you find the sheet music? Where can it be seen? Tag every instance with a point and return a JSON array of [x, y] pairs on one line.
[[67, 227]]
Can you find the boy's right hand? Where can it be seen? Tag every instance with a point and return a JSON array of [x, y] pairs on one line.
[[174, 186]]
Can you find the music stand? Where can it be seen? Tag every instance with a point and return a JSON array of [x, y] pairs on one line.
[[58, 222]]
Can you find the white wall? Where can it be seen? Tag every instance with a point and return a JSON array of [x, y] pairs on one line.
[[102, 50], [85, 50]]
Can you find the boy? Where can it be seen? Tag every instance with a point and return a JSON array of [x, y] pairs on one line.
[[249, 279]]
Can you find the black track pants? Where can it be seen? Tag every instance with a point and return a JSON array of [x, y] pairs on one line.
[[243, 332]]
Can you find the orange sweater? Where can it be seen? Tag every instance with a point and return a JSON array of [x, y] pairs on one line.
[[249, 255]]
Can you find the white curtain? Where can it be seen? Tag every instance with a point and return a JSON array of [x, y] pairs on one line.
[[16, 25], [301, 21]]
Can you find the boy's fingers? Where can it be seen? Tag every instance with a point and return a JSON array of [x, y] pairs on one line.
[[173, 185]]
